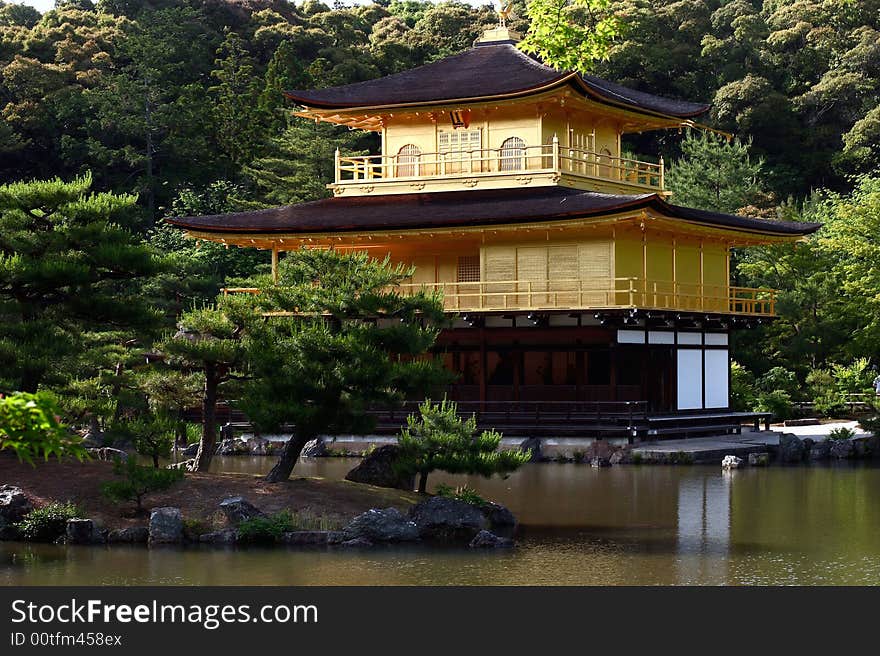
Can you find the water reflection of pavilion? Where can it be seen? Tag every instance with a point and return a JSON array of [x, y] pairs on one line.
[[703, 528]]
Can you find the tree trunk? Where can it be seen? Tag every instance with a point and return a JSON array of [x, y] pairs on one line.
[[289, 457], [208, 443], [423, 482], [155, 461]]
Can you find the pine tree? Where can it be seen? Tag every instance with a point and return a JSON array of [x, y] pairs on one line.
[[715, 174], [238, 121], [299, 163], [208, 341], [438, 439], [350, 344], [285, 72], [68, 268]]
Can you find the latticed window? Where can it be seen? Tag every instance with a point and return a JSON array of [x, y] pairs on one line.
[[469, 268], [513, 152], [459, 141], [408, 161]]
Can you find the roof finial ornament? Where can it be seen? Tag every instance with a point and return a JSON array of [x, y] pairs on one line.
[[504, 8]]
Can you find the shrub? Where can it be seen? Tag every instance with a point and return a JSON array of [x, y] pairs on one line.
[[871, 424], [833, 388], [777, 402], [461, 493], [830, 404], [438, 439], [779, 378], [48, 523], [270, 528], [30, 426], [841, 433], [138, 482], [742, 388]]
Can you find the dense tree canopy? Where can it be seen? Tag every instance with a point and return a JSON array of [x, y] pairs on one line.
[[175, 107]]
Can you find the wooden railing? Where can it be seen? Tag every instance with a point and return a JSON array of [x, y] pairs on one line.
[[596, 294], [550, 158], [590, 294]]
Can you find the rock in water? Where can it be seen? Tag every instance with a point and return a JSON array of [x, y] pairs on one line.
[[731, 462], [314, 449], [356, 543], [166, 526], [232, 447], [224, 536], [130, 535], [599, 462], [14, 505], [821, 450], [533, 446], [842, 449], [377, 468], [791, 449], [257, 446], [386, 525], [487, 540], [81, 531], [238, 509], [312, 538], [450, 520], [499, 517], [759, 459]]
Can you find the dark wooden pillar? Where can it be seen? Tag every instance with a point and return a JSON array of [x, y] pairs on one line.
[[613, 373], [483, 373]]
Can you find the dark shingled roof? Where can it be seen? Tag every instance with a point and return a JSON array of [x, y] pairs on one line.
[[497, 69], [464, 208]]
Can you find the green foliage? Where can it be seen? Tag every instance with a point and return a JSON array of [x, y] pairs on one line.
[[30, 426], [742, 388], [298, 163], [138, 482], [841, 433], [714, 174], [153, 437], [438, 439], [48, 523], [68, 261], [776, 401], [266, 529], [461, 493], [236, 111], [834, 388], [571, 34], [352, 344], [871, 424], [208, 342], [778, 378]]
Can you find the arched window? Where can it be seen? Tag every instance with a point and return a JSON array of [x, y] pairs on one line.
[[408, 161], [513, 153], [605, 164]]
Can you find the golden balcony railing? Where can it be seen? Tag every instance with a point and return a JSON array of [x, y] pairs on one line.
[[575, 294], [548, 158]]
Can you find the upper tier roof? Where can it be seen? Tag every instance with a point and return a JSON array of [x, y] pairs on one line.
[[453, 209], [483, 72]]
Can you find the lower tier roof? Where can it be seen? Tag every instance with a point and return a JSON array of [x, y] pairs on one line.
[[469, 208]]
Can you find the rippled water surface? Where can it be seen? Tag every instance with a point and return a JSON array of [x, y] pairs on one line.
[[622, 525]]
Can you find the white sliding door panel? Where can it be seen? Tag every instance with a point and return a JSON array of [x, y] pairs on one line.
[[690, 379], [716, 378]]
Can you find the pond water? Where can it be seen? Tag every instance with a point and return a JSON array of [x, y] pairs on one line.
[[625, 525]]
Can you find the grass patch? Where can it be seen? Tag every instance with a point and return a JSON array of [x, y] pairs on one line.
[[461, 493], [48, 523]]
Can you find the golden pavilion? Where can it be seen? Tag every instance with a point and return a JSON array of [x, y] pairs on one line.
[[585, 302]]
